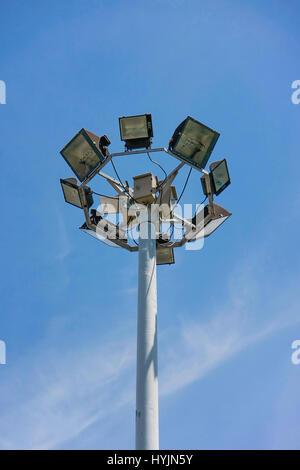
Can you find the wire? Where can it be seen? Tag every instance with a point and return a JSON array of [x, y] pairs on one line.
[[185, 184], [183, 189], [153, 161], [127, 192], [129, 230], [171, 228], [124, 187], [171, 234], [117, 174], [163, 182], [104, 195]]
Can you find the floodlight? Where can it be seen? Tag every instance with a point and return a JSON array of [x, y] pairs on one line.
[[164, 255], [193, 142], [83, 153], [219, 176], [136, 131], [71, 192], [99, 235], [206, 221]]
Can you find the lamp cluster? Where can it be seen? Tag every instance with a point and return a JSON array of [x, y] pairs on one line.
[[192, 143]]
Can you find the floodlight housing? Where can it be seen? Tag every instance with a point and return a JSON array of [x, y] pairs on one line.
[[206, 221], [164, 255], [219, 176], [136, 131], [83, 154], [99, 235], [193, 142], [71, 192], [104, 142]]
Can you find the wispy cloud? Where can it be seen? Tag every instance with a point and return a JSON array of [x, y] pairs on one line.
[[201, 347], [61, 394], [64, 242], [66, 394]]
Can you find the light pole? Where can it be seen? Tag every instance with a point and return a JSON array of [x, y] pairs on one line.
[[148, 205], [147, 432]]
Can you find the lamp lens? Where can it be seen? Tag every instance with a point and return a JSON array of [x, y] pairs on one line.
[[210, 227], [81, 156], [99, 235], [134, 127], [220, 176], [165, 256], [196, 142], [71, 195]]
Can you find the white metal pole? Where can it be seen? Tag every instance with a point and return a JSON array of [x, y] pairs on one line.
[[147, 364]]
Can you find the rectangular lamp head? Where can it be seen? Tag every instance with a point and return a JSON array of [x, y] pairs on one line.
[[71, 192], [99, 235], [136, 131], [164, 255], [219, 176], [193, 142], [207, 221], [83, 154]]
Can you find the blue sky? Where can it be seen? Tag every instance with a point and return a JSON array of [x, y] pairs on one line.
[[227, 314]]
